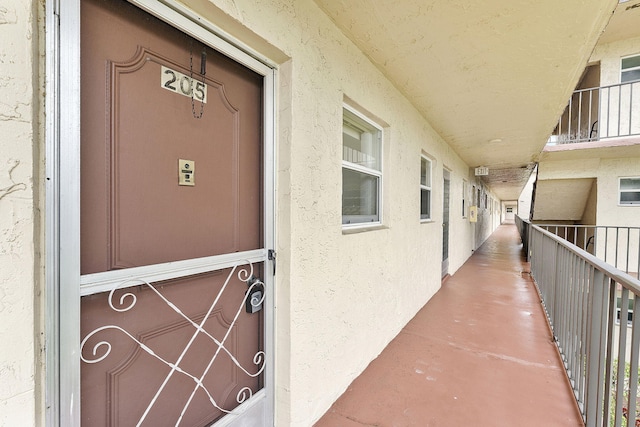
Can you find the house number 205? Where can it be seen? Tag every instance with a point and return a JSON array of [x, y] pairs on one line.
[[183, 85]]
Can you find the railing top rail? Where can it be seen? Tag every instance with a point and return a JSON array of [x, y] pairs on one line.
[[619, 276], [607, 87], [625, 227]]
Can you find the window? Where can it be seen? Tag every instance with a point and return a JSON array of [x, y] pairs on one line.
[[630, 69], [629, 310], [425, 188], [464, 198], [361, 169], [629, 191]]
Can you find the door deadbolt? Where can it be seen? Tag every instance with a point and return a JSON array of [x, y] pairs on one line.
[[186, 172], [255, 295]]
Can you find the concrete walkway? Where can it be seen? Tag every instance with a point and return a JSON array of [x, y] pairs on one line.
[[479, 353]]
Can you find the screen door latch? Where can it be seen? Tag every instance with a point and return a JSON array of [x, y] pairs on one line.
[[255, 295], [271, 256]]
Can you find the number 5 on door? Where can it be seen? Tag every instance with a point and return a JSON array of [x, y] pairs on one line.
[[182, 84]]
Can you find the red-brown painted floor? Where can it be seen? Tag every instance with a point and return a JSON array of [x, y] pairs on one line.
[[478, 354]]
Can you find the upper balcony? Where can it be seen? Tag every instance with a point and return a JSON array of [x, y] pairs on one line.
[[600, 113]]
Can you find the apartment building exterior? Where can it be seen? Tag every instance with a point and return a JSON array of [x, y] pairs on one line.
[[589, 172], [587, 183], [223, 211]]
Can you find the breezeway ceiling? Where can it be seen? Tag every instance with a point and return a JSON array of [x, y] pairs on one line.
[[492, 77]]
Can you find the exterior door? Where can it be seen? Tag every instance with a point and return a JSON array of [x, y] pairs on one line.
[[172, 225], [445, 222]]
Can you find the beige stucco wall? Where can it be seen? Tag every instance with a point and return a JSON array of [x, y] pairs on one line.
[[602, 207], [609, 211], [18, 209], [341, 297], [589, 217], [615, 103], [609, 55]]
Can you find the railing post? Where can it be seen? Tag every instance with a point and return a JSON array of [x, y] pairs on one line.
[[599, 113], [633, 374], [596, 350]]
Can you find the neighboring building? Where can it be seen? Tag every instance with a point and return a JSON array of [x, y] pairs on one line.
[[588, 177], [589, 173], [208, 203]]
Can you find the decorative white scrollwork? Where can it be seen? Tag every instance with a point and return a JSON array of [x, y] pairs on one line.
[[244, 394], [128, 300]]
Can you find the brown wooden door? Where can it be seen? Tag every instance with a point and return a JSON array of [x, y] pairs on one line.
[[158, 106]]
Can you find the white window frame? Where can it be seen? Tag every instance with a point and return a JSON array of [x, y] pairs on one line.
[[364, 123], [620, 191], [424, 187], [623, 70]]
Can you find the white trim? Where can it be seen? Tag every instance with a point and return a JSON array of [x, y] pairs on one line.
[[179, 16], [246, 415], [63, 195], [104, 282], [69, 213], [378, 173], [620, 191], [426, 187], [269, 150], [636, 68], [363, 169], [52, 235]]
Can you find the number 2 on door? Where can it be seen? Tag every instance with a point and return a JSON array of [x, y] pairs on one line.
[[182, 84]]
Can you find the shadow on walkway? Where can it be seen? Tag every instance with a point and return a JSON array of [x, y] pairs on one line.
[[479, 353]]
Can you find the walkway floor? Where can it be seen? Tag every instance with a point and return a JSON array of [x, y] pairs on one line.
[[478, 354]]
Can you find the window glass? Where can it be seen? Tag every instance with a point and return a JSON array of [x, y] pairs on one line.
[[361, 170], [359, 197], [360, 147], [425, 188], [630, 68], [631, 62], [629, 191], [630, 184]]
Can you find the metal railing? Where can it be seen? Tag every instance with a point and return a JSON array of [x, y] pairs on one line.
[[523, 229], [600, 113], [617, 246], [587, 302]]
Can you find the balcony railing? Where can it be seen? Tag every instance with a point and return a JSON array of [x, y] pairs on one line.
[[600, 113], [617, 246], [590, 306]]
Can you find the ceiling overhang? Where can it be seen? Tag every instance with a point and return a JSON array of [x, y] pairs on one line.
[[491, 77]]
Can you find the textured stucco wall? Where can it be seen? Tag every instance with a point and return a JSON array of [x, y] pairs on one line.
[[612, 214], [591, 209], [610, 55], [601, 206], [343, 296], [607, 172], [18, 119], [609, 211]]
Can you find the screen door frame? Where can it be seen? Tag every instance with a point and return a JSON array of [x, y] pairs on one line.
[[62, 194]]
